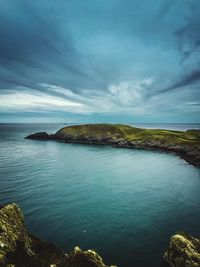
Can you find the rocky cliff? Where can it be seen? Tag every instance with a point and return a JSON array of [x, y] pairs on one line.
[[185, 144], [183, 251], [18, 248]]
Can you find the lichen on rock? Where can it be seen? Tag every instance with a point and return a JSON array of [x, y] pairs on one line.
[[183, 251], [19, 248], [14, 238], [86, 258]]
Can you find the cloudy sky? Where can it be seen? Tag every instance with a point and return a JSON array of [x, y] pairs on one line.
[[99, 60]]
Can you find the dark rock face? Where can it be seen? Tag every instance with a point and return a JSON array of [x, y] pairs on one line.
[[183, 251], [39, 136], [18, 248]]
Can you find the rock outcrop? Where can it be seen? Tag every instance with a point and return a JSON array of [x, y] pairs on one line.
[[18, 248], [185, 144], [183, 251], [39, 136]]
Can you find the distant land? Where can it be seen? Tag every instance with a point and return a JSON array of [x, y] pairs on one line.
[[185, 144]]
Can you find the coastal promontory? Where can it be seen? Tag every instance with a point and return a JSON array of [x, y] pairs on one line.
[[185, 144]]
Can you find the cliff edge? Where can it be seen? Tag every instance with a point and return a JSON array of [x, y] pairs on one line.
[[183, 251], [18, 248]]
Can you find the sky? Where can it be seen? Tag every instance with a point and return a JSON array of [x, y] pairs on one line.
[[112, 61]]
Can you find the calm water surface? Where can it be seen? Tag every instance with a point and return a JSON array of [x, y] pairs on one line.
[[123, 203]]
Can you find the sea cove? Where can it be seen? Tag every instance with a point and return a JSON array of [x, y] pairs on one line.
[[123, 203]]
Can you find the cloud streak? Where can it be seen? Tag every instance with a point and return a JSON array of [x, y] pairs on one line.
[[187, 80]]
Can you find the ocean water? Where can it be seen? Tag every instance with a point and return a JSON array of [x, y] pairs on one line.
[[123, 203]]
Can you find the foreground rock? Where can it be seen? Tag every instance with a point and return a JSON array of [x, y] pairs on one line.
[[18, 248], [183, 251], [185, 144]]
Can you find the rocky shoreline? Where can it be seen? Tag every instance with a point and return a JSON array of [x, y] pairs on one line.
[[19, 248], [184, 144]]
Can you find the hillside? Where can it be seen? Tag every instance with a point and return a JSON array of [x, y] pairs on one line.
[[185, 144]]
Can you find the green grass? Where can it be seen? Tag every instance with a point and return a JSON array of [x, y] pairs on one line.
[[129, 133]]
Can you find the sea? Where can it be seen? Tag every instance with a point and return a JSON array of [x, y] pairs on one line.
[[123, 203]]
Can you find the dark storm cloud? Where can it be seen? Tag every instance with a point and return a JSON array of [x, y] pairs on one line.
[[188, 44], [33, 48], [190, 79], [188, 35]]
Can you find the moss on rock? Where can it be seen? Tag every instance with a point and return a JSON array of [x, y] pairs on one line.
[[14, 239], [85, 258], [18, 248], [183, 251]]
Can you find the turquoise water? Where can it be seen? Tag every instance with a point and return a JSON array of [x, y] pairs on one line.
[[123, 203]]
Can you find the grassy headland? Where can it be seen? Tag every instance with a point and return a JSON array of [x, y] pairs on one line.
[[186, 144]]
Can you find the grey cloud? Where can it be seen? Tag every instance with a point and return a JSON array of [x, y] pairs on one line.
[[190, 79], [34, 46], [92, 45], [188, 35], [165, 7]]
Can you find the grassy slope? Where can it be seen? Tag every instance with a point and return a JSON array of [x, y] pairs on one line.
[[126, 132]]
